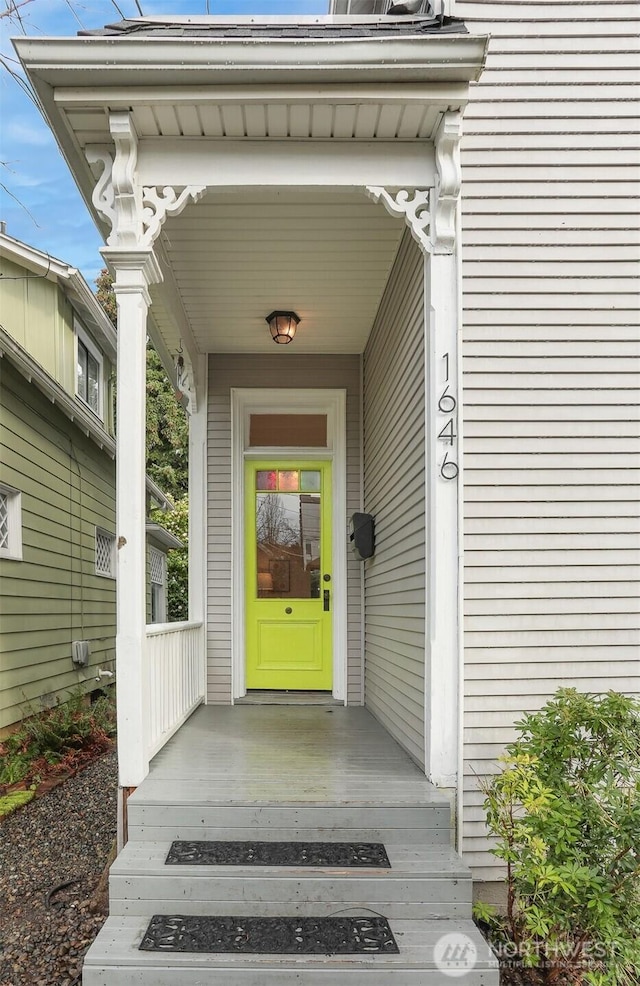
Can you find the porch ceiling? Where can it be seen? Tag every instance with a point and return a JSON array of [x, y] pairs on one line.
[[392, 112], [235, 257], [206, 99]]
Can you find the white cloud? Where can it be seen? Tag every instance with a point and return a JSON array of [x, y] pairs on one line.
[[24, 133]]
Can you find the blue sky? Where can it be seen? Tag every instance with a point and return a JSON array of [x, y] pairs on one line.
[[39, 200]]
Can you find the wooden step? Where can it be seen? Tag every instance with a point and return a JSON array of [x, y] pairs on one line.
[[338, 822], [422, 883], [312, 775], [114, 959]]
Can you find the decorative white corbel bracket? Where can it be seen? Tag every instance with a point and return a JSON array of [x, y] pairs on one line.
[[162, 202], [413, 209], [185, 383], [448, 183], [431, 213], [103, 196], [135, 213]]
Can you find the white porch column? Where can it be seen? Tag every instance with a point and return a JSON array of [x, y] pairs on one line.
[[433, 216], [198, 504], [444, 480], [133, 271], [443, 311]]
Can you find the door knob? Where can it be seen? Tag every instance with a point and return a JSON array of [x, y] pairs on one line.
[[288, 610]]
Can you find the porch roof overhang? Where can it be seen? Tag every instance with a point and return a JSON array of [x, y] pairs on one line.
[[289, 130]]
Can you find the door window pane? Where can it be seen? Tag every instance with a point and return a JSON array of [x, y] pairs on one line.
[[288, 545], [288, 480], [266, 480], [310, 480]]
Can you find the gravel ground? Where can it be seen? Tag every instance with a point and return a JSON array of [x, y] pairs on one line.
[[64, 835]]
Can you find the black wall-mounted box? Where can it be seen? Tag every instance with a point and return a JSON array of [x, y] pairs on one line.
[[362, 536]]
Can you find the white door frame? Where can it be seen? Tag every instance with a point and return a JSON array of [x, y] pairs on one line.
[[246, 401]]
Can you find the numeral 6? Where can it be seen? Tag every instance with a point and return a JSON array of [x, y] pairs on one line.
[[448, 470], [447, 402]]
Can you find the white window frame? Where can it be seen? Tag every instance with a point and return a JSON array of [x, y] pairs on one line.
[[111, 574], [81, 336], [13, 548], [375, 10], [162, 614]]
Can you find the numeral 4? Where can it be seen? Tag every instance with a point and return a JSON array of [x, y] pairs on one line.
[[447, 433]]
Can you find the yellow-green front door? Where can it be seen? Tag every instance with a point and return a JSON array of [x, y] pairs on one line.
[[288, 583]]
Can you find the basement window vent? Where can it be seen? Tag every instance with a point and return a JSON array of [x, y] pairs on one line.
[[10, 523], [4, 520], [105, 553]]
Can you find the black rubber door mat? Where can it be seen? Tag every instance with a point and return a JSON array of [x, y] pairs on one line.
[[269, 936], [340, 854]]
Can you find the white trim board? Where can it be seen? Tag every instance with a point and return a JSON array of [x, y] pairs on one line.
[[246, 401]]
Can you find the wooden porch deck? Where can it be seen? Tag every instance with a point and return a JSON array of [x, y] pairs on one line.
[[285, 755]]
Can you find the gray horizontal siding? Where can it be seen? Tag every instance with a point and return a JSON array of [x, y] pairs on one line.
[[394, 491], [278, 371], [551, 369]]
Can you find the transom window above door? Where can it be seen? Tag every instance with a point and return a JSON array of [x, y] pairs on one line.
[[288, 430]]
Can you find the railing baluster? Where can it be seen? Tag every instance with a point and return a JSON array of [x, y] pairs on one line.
[[176, 672]]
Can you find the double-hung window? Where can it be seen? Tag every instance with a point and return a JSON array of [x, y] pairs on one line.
[[89, 371]]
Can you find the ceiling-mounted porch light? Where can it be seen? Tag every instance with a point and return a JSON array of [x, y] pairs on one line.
[[283, 326]]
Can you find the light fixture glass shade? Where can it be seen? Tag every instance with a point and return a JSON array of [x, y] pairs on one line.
[[283, 326], [265, 582]]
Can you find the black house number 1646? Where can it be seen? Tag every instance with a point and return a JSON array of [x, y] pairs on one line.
[[447, 406]]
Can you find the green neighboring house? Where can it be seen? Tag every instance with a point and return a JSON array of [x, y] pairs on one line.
[[57, 486]]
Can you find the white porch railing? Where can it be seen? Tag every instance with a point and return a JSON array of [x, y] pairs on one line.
[[175, 659]]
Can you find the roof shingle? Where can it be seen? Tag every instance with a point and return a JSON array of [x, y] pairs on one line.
[[220, 31]]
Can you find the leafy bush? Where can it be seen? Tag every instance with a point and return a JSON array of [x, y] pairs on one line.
[[56, 737], [566, 814], [176, 521]]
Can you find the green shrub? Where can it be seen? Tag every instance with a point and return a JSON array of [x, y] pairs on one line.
[[566, 814], [48, 738]]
